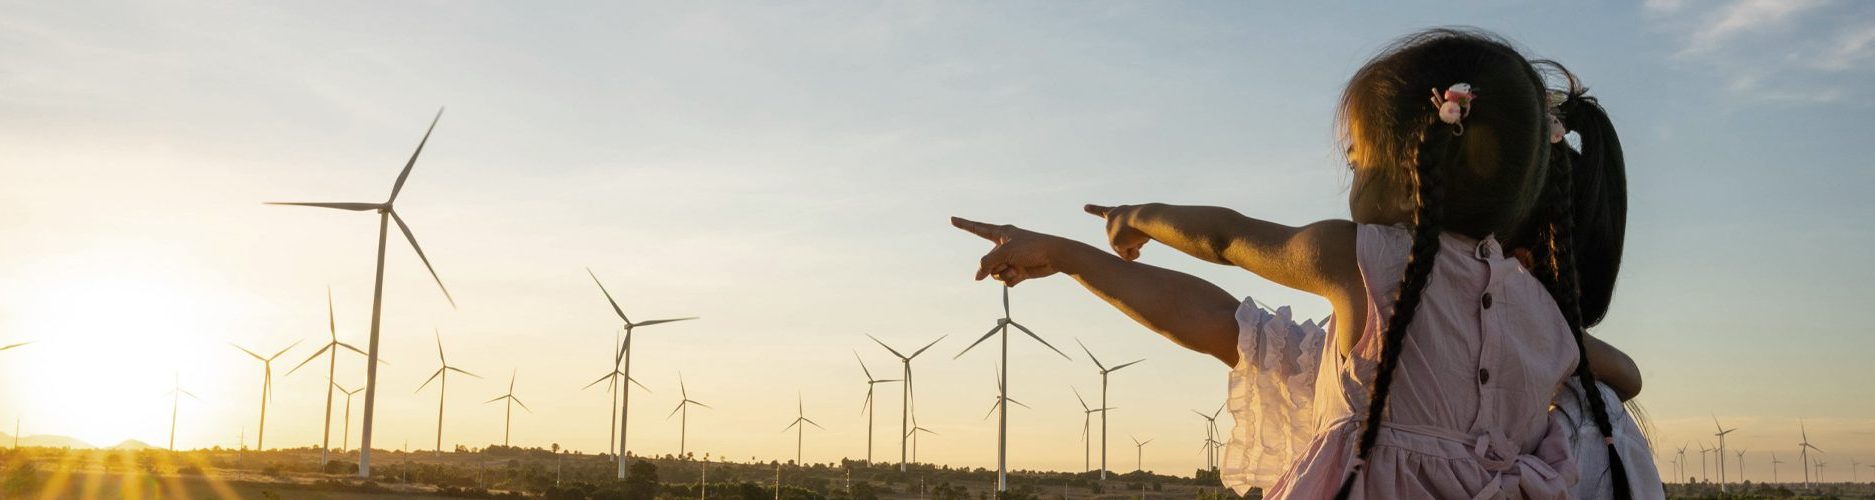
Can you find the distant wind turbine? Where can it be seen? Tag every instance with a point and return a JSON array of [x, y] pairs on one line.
[[800, 417], [1741, 466], [905, 401], [331, 350], [266, 389], [1703, 451], [1853, 475], [387, 213], [868, 406], [626, 366], [1679, 464], [1721, 432], [915, 429], [442, 391], [1210, 436], [345, 442], [1000, 398], [1104, 371], [175, 404], [1002, 424], [1139, 448], [1819, 471], [508, 422], [611, 380], [683, 408], [1087, 438], [1803, 450]]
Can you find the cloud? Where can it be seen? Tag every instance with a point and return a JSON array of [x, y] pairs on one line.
[[1778, 51]]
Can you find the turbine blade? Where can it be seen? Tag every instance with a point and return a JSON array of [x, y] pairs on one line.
[[309, 359], [999, 402], [426, 382], [401, 176], [332, 318], [1117, 368], [14, 345], [986, 336], [355, 207], [700, 403], [608, 297], [641, 385], [1019, 403], [887, 347], [462, 371], [1090, 355], [662, 321], [250, 353], [680, 407], [523, 405], [603, 378], [276, 355], [921, 350], [1077, 397], [791, 425], [497, 398], [811, 421], [426, 259], [1038, 338], [359, 351], [862, 367]]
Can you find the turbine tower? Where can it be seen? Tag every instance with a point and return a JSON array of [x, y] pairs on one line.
[[683, 423], [1002, 424], [1803, 450], [345, 441], [868, 407], [332, 366], [1139, 448], [387, 213], [175, 404], [507, 422], [905, 402], [800, 417], [266, 389], [442, 390], [1087, 441], [625, 349], [1721, 432], [1103, 401]]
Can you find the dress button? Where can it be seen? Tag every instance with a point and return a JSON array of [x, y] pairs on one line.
[[1484, 376], [1487, 300]]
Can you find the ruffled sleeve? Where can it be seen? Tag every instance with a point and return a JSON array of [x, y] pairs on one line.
[[1272, 395], [1590, 452]]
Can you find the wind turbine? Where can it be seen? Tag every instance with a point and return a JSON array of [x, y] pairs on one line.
[[626, 366], [683, 406], [175, 403], [442, 391], [1210, 436], [611, 380], [1703, 450], [1002, 424], [1000, 398], [508, 422], [1741, 466], [915, 429], [1819, 471], [1853, 465], [266, 389], [345, 442], [1087, 420], [387, 213], [1803, 450], [1139, 448], [1774, 462], [332, 366], [868, 406], [905, 409], [800, 417], [1721, 432], [5, 347], [1103, 401]]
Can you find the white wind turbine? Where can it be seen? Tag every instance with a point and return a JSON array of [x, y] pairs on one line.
[[442, 391], [1679, 472], [683, 423], [1139, 448], [1104, 371], [345, 441], [175, 404], [625, 349], [387, 213], [507, 422], [1002, 424], [1819, 472], [1774, 462], [1721, 432], [1000, 398], [915, 430], [800, 417], [266, 389], [1803, 450], [868, 406], [611, 380], [1087, 429], [1703, 451], [905, 401], [1210, 437], [1741, 465], [331, 350]]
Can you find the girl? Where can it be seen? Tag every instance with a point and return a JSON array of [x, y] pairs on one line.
[[1431, 314]]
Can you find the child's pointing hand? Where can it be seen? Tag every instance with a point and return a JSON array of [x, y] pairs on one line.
[[1019, 254], [1125, 239]]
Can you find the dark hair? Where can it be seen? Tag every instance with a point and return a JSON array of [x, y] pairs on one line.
[[1490, 178]]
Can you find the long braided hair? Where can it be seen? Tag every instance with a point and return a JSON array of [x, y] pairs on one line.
[[1488, 178]]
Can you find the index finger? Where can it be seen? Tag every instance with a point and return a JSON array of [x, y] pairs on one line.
[[1097, 210], [990, 232]]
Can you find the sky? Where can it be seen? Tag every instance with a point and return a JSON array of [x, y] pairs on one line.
[[785, 171]]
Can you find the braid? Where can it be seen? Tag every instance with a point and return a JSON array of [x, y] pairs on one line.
[[1565, 287], [1426, 229]]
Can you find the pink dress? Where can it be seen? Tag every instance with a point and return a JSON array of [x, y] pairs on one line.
[[1469, 414]]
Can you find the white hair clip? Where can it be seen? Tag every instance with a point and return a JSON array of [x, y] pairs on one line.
[[1556, 129], [1454, 105]]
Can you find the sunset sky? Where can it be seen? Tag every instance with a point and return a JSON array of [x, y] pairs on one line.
[[784, 171]]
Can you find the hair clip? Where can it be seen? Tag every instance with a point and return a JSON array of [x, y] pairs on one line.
[[1454, 105], [1556, 129]]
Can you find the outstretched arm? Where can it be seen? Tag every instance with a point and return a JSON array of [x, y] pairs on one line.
[[1189, 311]]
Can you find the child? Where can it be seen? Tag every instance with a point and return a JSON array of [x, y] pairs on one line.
[[1431, 314]]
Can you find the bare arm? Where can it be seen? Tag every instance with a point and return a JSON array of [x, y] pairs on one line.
[[1317, 258], [1613, 367], [1189, 311]]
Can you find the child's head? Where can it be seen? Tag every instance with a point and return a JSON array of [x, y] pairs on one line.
[[1491, 173]]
